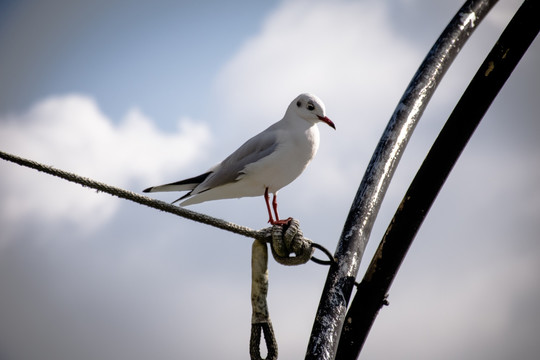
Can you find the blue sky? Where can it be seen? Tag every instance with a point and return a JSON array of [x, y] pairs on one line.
[[135, 94], [120, 51]]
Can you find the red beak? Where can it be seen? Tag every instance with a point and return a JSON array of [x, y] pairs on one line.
[[328, 121]]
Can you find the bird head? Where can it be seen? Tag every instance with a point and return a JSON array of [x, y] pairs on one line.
[[310, 108]]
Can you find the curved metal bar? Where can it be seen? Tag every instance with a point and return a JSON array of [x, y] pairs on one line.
[[484, 87], [330, 315]]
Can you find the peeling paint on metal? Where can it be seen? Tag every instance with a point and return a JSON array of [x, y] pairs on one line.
[[467, 19], [491, 66]]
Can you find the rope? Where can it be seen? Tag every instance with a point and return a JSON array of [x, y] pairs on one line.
[[265, 235], [140, 199], [260, 318], [286, 240], [289, 239]]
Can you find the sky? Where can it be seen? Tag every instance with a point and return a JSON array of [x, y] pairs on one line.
[[136, 94]]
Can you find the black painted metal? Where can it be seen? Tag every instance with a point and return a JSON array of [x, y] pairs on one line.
[[340, 280], [431, 176]]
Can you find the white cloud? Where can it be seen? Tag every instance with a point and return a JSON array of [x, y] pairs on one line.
[[322, 47], [71, 133]]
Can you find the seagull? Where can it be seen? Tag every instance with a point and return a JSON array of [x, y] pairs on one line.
[[264, 164]]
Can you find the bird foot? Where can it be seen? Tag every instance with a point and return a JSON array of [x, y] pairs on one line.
[[280, 222]]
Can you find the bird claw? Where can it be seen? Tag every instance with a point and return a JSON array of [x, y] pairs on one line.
[[280, 222]]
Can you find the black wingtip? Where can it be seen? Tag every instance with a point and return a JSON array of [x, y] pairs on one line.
[[148, 190], [182, 198]]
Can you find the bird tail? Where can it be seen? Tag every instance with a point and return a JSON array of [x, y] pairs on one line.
[[182, 185]]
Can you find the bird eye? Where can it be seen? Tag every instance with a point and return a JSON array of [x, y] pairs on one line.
[[298, 103], [310, 107]]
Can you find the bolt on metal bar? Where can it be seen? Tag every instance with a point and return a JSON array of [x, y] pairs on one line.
[[337, 291], [477, 98]]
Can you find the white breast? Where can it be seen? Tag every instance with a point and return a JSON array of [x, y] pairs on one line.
[[295, 151]]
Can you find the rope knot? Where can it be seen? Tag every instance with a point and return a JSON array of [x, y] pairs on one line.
[[289, 239]]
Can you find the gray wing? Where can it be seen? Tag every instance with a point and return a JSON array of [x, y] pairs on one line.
[[231, 168]]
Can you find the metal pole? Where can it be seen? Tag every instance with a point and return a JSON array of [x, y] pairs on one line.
[[340, 280], [431, 176]]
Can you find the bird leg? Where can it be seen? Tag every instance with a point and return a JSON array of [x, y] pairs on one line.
[[274, 206], [267, 200]]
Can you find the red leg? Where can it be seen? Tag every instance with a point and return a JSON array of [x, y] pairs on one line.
[[267, 199], [274, 206]]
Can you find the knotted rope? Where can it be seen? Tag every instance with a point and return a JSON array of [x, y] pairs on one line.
[[285, 240]]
